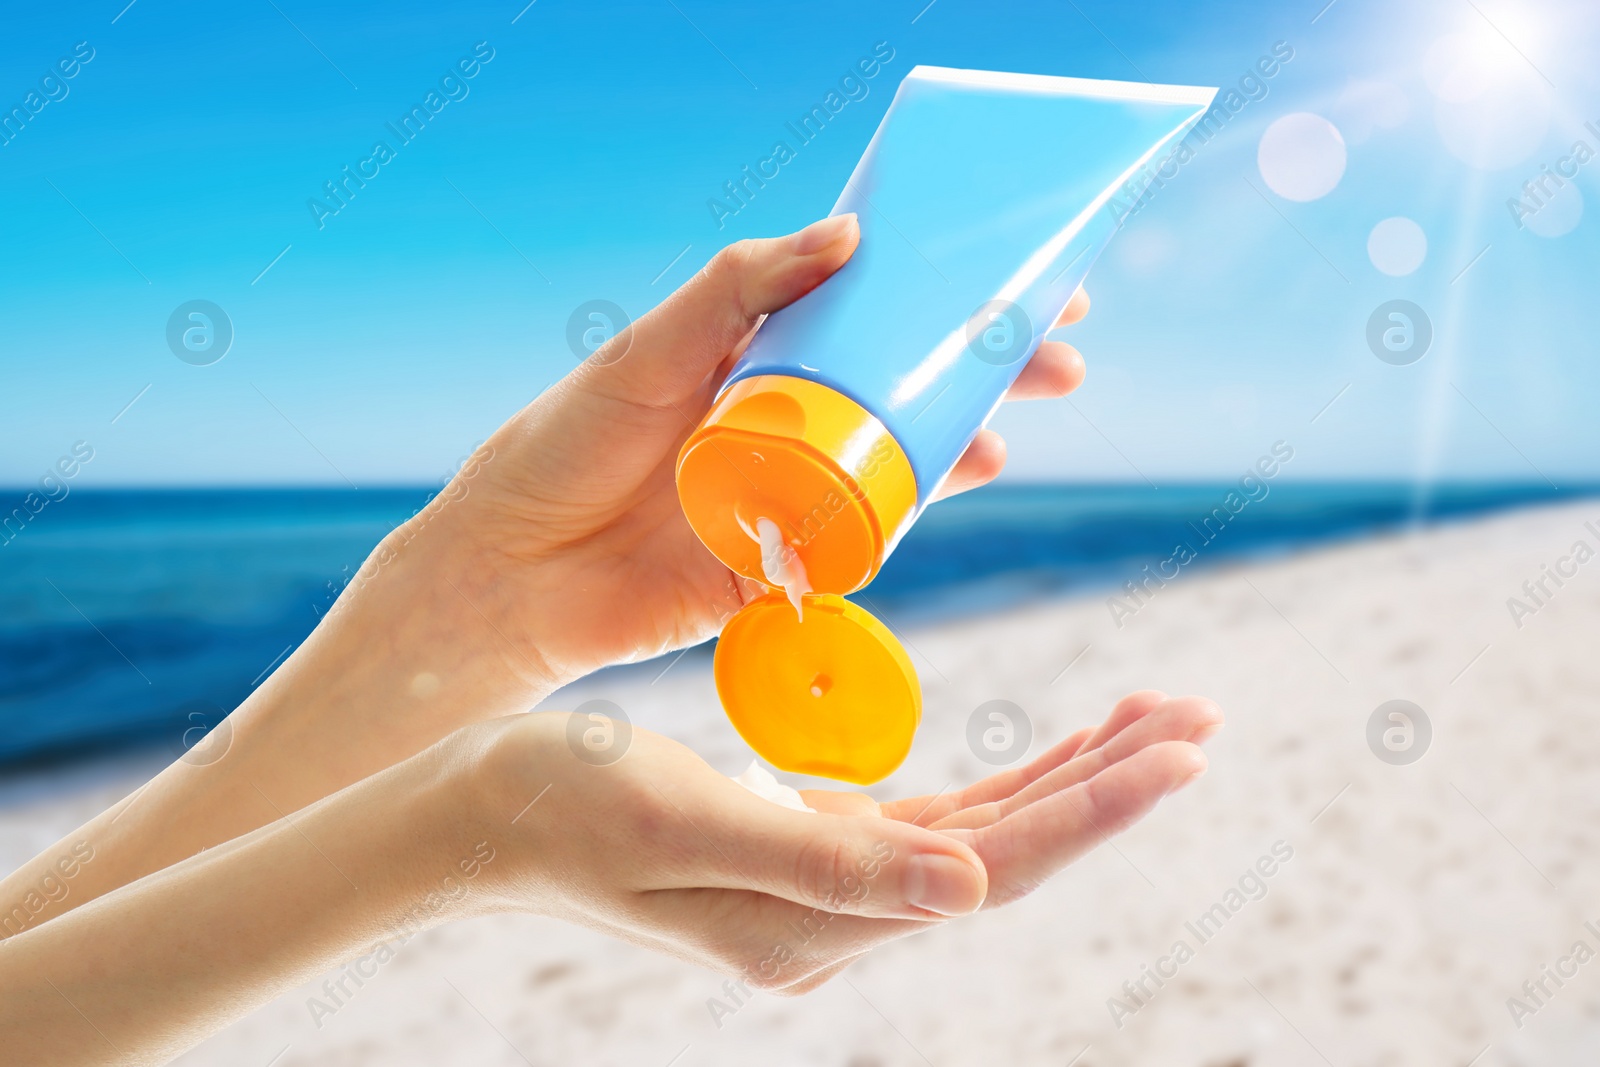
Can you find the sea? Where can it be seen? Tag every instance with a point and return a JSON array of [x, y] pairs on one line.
[[141, 616]]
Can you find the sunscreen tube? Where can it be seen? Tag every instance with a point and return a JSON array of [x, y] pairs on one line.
[[983, 200]]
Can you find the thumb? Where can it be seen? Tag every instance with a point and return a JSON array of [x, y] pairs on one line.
[[668, 353], [859, 864]]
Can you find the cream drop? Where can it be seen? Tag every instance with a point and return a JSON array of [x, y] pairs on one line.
[[781, 564], [760, 781]]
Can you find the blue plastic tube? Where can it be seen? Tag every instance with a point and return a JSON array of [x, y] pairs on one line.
[[983, 199]]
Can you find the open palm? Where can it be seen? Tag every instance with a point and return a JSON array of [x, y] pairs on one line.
[[659, 849]]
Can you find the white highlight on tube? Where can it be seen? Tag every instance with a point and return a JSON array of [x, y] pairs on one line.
[[1059, 86]]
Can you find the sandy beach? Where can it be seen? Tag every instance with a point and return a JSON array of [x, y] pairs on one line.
[[1405, 903]]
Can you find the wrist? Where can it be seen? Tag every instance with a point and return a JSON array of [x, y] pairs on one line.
[[502, 774], [459, 632], [438, 853], [419, 644]]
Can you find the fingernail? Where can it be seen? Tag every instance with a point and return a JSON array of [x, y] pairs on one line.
[[1186, 781], [822, 233], [942, 884]]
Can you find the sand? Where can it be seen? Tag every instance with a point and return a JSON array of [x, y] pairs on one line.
[[1415, 901]]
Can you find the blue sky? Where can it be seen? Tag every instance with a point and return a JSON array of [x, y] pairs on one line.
[[579, 163]]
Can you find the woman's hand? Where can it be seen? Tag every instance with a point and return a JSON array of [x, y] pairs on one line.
[[656, 848], [582, 551], [659, 849]]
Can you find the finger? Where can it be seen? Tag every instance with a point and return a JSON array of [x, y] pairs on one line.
[[1128, 710], [927, 810], [984, 458], [1191, 719], [1055, 370], [1024, 849], [812, 981], [862, 865], [670, 352], [1075, 310], [833, 802]]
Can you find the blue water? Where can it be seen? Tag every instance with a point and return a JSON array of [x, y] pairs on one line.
[[144, 615]]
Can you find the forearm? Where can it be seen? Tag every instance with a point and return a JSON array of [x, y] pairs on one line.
[[142, 973], [390, 671]]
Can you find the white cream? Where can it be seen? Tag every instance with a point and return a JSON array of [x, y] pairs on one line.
[[760, 781], [781, 564]]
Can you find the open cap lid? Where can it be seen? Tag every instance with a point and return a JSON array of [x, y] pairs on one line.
[[830, 694]]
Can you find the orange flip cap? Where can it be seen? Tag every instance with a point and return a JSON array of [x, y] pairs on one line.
[[816, 463]]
